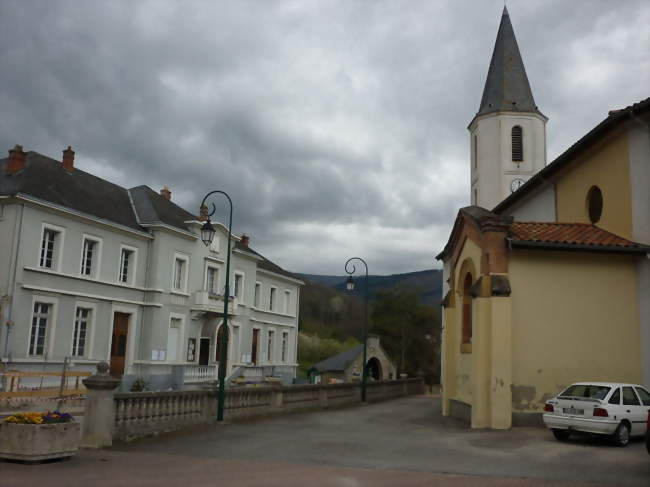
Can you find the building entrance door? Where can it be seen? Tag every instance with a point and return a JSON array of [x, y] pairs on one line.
[[256, 336], [118, 343], [204, 351]]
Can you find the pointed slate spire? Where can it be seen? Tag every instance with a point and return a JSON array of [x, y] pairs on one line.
[[507, 87]]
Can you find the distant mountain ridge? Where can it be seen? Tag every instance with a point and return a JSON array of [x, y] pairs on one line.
[[429, 282]]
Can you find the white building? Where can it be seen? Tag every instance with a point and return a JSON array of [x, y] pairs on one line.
[[93, 271]]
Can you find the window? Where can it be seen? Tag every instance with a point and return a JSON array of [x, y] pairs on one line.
[[81, 325], [287, 301], [212, 280], [87, 256], [616, 397], [644, 395], [517, 144], [48, 248], [467, 309], [173, 335], [180, 273], [595, 204], [586, 390], [269, 346], [126, 263], [39, 327], [239, 286], [629, 397], [285, 344], [258, 290], [272, 298]]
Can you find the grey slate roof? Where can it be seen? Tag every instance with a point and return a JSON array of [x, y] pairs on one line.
[[506, 86], [266, 263], [338, 363], [153, 208], [46, 179]]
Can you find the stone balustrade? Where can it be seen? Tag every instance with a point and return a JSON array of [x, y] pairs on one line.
[[144, 413], [133, 415], [199, 373]]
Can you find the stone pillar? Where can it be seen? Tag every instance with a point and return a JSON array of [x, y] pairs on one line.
[[99, 418]]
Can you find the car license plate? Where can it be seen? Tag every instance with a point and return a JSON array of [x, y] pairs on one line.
[[573, 410]]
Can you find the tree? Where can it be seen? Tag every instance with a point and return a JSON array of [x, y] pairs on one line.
[[410, 331]]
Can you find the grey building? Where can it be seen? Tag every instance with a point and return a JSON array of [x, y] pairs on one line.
[[346, 366], [93, 271]]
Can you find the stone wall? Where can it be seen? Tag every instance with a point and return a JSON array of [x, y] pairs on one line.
[[146, 413]]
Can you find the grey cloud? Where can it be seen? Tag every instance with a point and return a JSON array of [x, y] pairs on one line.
[[324, 120]]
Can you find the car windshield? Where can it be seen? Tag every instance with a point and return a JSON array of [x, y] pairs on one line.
[[588, 391]]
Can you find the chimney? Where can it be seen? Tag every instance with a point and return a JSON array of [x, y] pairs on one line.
[[68, 159], [165, 193], [244, 240], [16, 160]]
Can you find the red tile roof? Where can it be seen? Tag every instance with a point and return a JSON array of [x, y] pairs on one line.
[[570, 234]]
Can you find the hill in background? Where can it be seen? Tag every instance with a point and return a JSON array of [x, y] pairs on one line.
[[428, 283]]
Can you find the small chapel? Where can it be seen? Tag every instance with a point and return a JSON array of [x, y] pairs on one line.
[[546, 276]]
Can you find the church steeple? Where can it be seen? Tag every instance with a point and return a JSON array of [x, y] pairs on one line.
[[508, 133], [506, 86]]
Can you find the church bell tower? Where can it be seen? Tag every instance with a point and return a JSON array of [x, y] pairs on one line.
[[508, 133]]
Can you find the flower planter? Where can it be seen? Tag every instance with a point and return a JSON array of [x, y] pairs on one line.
[[38, 442]]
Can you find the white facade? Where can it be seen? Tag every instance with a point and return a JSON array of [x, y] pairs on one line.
[[497, 169], [61, 299]]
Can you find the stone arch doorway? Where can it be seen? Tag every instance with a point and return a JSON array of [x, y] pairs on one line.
[[222, 331], [373, 369]]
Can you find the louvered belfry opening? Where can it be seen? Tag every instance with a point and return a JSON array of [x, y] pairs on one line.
[[517, 144]]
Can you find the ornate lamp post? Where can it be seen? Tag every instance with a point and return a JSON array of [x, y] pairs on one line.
[[207, 235], [350, 269]]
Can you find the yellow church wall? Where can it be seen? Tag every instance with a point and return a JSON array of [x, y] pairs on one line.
[[605, 165], [462, 362], [574, 318]]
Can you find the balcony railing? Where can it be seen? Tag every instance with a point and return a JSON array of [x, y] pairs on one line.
[[205, 302], [200, 373]]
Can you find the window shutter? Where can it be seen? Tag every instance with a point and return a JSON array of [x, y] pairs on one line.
[[517, 144]]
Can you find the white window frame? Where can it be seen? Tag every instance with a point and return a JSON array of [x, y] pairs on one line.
[[287, 301], [257, 296], [95, 263], [217, 270], [284, 353], [133, 266], [185, 259], [90, 329], [50, 327], [180, 350], [239, 295], [58, 246], [273, 303], [270, 345]]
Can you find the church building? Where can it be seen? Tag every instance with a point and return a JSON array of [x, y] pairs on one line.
[[547, 273]]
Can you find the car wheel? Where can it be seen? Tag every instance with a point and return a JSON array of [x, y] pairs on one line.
[[621, 436], [561, 435]]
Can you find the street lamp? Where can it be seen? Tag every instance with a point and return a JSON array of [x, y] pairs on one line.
[[350, 269], [207, 235]]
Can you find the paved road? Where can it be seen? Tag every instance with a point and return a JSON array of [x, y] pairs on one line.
[[404, 442]]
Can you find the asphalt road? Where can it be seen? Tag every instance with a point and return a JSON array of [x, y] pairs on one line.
[[404, 442]]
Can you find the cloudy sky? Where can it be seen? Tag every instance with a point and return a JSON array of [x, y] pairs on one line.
[[337, 127]]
